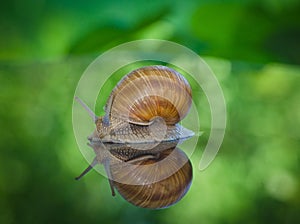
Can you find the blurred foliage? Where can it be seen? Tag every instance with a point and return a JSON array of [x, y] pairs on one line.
[[259, 31], [46, 45]]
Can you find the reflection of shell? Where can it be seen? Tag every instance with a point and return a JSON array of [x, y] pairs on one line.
[[150, 92], [154, 183]]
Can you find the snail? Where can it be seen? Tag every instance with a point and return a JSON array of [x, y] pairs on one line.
[[136, 140]]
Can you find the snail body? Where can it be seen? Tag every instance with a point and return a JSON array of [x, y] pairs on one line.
[[136, 139]]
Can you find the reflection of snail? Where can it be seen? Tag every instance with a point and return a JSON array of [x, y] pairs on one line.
[[136, 139]]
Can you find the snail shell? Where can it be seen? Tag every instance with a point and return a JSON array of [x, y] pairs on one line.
[[136, 139], [149, 92], [154, 182]]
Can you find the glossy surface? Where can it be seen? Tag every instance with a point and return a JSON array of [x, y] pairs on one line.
[[149, 92], [154, 183]]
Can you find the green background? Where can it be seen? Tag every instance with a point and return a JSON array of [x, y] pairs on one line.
[[252, 46]]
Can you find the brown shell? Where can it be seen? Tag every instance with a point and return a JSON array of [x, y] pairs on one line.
[[149, 92], [154, 183]]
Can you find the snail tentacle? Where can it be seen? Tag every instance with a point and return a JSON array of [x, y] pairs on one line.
[[94, 163], [106, 164], [90, 112]]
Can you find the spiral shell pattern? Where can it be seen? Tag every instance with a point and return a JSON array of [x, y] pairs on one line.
[[149, 92], [154, 183]]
